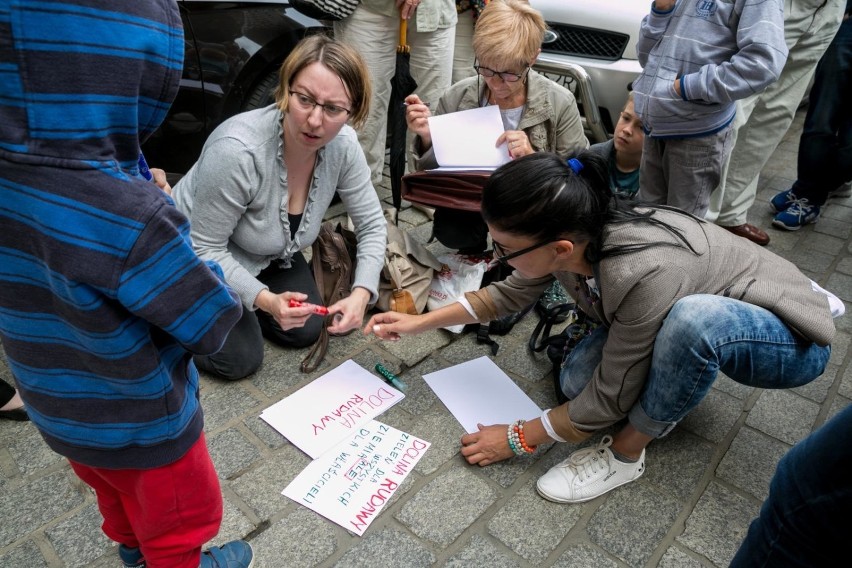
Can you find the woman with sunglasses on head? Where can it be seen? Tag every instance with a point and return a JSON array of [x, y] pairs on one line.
[[258, 194], [538, 114], [678, 300]]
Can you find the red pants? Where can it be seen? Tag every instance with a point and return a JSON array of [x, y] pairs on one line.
[[168, 512]]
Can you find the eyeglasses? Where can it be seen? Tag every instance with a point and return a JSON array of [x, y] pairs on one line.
[[333, 113], [506, 76], [503, 258]]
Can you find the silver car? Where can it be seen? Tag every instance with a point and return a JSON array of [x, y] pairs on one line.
[[599, 36]]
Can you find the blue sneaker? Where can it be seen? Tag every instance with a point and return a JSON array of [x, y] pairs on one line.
[[131, 557], [234, 554], [782, 201], [797, 215]]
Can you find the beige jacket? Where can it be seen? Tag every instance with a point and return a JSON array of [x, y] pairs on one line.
[[551, 120], [638, 289]]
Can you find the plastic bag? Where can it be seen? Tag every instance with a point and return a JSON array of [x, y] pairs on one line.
[[461, 274]]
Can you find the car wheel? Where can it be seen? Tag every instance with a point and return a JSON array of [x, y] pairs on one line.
[[263, 93]]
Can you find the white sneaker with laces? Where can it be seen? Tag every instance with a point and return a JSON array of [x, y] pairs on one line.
[[588, 473]]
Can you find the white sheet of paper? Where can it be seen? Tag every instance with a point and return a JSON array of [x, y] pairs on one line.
[[353, 481], [318, 416], [466, 139], [479, 391]]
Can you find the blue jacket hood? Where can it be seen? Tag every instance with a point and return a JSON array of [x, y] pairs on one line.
[[105, 114]]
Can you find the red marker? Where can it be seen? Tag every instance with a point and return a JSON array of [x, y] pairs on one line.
[[318, 310]]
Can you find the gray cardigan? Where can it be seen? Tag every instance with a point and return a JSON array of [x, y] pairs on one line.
[[236, 198], [638, 289], [723, 51]]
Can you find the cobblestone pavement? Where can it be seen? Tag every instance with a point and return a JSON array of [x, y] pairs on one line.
[[703, 485]]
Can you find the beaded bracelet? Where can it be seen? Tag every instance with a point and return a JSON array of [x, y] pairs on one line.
[[516, 436], [516, 447]]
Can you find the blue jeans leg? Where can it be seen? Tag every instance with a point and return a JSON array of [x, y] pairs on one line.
[[580, 365], [705, 334], [805, 519]]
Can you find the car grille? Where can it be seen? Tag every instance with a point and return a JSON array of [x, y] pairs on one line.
[[586, 42]]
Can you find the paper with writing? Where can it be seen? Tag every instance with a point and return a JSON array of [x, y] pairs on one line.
[[479, 391], [329, 409], [466, 139], [352, 482]]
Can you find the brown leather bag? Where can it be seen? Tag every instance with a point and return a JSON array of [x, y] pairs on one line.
[[460, 190], [407, 274], [333, 259]]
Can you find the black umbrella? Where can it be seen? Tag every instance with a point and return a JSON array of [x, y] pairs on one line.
[[402, 85]]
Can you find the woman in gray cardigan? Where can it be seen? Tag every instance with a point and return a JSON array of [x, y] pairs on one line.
[[678, 300], [258, 194]]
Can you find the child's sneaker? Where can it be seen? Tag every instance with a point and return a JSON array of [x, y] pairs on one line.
[[234, 554], [588, 473], [131, 557], [797, 215], [782, 201]]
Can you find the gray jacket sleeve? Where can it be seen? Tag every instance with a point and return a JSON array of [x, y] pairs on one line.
[[651, 29]]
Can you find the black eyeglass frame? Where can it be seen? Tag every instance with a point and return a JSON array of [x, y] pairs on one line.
[[515, 77], [505, 258], [323, 106]]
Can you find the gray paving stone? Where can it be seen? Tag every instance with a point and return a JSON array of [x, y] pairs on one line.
[[714, 417], [283, 543], [817, 389], [837, 405], [269, 435], [29, 451], [224, 401], [231, 452], [732, 387], [478, 551], [235, 524], [783, 415], [844, 266], [676, 558], [465, 348], [676, 463], [413, 349], [811, 260], [438, 427], [750, 462], [718, 523], [280, 374], [261, 487], [839, 347], [633, 521], [457, 498], [78, 540], [36, 502], [26, 555], [413, 216], [840, 285], [526, 509], [520, 361], [584, 556], [845, 387], [387, 548], [507, 472], [341, 347], [420, 397], [833, 227], [825, 243]]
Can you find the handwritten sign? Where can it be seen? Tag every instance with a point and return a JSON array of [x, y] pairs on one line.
[[351, 483], [328, 410]]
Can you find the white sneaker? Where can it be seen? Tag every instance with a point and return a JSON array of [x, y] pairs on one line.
[[588, 473]]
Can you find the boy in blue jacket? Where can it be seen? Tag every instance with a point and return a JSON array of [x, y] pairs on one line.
[[698, 58], [102, 300]]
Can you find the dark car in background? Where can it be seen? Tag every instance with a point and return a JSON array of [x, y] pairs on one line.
[[233, 51]]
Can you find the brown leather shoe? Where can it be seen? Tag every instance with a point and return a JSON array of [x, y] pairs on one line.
[[750, 232]]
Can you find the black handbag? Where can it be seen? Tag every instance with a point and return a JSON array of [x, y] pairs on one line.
[[325, 9]]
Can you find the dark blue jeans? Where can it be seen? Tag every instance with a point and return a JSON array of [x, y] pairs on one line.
[[805, 520], [702, 335], [825, 148]]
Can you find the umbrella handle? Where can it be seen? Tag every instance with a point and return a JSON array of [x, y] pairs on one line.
[[403, 46]]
